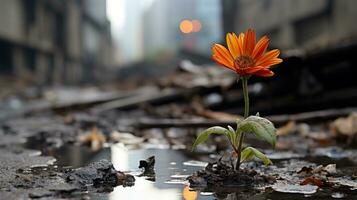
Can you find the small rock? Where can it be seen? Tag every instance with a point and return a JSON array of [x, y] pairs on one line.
[[101, 173], [148, 166], [223, 174]]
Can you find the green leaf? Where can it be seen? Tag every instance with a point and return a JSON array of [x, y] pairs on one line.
[[261, 127], [231, 129], [203, 136], [232, 134], [249, 153], [238, 121]]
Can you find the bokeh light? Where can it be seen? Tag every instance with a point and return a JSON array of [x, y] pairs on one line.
[[186, 26], [196, 25], [188, 194]]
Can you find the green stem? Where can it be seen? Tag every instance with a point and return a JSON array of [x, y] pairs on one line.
[[246, 114]]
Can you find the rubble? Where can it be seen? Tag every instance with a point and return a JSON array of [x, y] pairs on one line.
[[26, 174], [148, 166], [100, 173], [222, 174], [169, 115]]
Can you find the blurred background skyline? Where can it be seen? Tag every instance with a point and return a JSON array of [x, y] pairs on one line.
[[83, 41]]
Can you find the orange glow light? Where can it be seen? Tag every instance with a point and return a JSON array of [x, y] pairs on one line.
[[189, 195], [196, 25], [186, 26]]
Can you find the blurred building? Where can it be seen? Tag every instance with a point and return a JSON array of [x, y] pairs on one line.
[[292, 23], [54, 41], [161, 21]]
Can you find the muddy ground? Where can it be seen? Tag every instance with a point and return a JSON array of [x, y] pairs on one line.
[[61, 143], [30, 145]]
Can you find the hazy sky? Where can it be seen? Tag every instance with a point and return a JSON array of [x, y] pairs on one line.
[[125, 16], [129, 34]]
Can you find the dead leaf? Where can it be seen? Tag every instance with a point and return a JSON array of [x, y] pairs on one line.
[[345, 125], [313, 181], [126, 138], [321, 137], [220, 116], [319, 170], [95, 139], [331, 169], [288, 128], [305, 171]]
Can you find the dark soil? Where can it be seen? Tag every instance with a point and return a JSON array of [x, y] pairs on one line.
[[25, 174], [221, 174], [99, 174]]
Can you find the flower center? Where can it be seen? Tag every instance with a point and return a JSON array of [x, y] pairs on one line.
[[244, 61]]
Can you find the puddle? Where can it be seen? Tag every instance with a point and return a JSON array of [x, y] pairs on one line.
[[173, 166], [170, 170]]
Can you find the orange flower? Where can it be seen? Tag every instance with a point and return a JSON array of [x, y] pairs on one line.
[[246, 57]]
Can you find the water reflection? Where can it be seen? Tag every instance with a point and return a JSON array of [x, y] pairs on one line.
[[189, 194], [128, 160], [144, 189], [172, 167]]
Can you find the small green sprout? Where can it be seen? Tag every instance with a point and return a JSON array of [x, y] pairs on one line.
[[261, 127]]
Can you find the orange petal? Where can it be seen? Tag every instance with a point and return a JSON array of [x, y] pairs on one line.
[[251, 70], [222, 62], [223, 54], [240, 43], [249, 42], [264, 73], [260, 47], [271, 62], [232, 43], [267, 56]]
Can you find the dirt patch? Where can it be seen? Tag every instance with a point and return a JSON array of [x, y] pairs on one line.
[[99, 174], [26, 174], [222, 174]]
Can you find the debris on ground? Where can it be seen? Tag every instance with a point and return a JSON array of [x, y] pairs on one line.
[[223, 174], [345, 127], [100, 173], [126, 138], [27, 174], [148, 167], [166, 115], [94, 138], [288, 128]]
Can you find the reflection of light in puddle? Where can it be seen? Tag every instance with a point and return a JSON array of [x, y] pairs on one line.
[[189, 194], [176, 181], [143, 189], [195, 163], [206, 193], [179, 176], [120, 157]]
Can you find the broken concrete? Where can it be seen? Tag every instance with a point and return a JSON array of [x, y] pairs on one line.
[[26, 174], [101, 173], [221, 174]]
